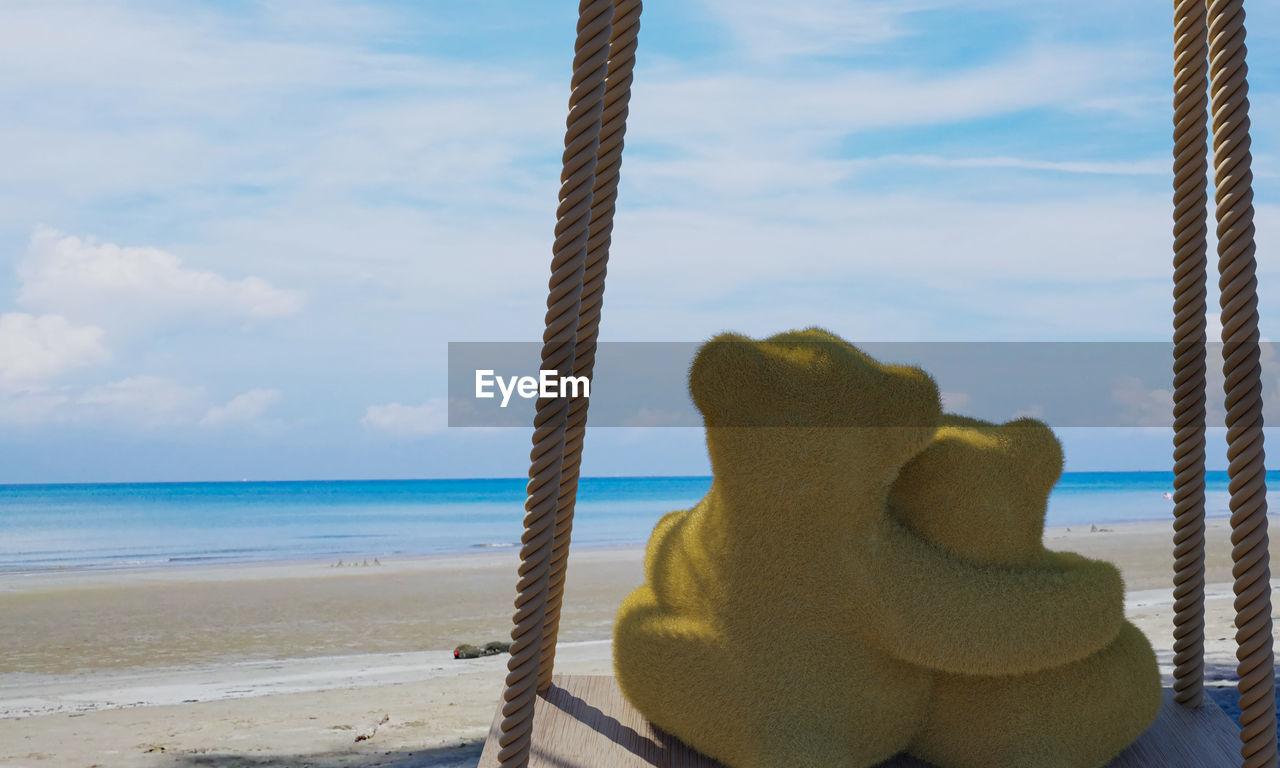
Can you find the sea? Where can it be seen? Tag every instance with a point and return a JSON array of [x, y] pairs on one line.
[[132, 525]]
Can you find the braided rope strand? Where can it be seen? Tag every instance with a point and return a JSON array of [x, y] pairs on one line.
[[1233, 181], [591, 50], [617, 96], [1190, 230]]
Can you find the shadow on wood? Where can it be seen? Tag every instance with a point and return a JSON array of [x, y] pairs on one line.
[[584, 722]]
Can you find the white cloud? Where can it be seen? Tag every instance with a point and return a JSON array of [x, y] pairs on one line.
[[144, 401], [1117, 168], [108, 47], [768, 30], [243, 408], [100, 280], [108, 284], [470, 135], [682, 110], [1033, 411], [432, 417], [1140, 405], [916, 238], [1153, 406], [32, 406], [39, 347], [135, 403], [954, 402], [772, 30], [264, 101]]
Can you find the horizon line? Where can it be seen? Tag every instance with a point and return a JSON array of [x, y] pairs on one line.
[[246, 481]]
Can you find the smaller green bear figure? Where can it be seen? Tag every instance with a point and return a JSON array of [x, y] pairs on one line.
[[979, 492]]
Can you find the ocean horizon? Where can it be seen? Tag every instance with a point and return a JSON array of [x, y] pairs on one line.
[[94, 526]]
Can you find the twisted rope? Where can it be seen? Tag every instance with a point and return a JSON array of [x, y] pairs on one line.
[[1233, 181], [1190, 214], [591, 51], [617, 96]]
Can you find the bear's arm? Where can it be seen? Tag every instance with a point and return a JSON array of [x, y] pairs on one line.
[[944, 613]]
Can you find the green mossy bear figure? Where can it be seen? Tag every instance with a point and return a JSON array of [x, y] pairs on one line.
[[796, 551], [975, 478]]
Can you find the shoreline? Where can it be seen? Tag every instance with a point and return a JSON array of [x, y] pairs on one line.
[[172, 524], [15, 580], [198, 565], [194, 563], [82, 623]]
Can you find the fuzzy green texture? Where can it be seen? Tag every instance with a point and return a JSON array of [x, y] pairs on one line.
[[848, 513]]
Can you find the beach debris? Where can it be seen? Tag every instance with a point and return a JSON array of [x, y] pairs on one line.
[[366, 735], [467, 651], [353, 564]]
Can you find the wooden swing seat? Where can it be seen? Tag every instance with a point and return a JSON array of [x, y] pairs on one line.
[[584, 722]]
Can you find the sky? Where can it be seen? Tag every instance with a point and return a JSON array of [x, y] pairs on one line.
[[236, 238]]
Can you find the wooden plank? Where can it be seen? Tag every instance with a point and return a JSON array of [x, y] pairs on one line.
[[1185, 738], [584, 722]]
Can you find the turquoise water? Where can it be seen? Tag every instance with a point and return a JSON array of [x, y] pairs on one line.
[[142, 524]]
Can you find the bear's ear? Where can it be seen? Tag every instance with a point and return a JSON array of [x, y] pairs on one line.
[[718, 374], [1038, 451], [806, 378]]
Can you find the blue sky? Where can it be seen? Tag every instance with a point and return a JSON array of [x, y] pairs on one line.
[[236, 237]]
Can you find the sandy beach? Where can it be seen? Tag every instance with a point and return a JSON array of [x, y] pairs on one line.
[[309, 664]]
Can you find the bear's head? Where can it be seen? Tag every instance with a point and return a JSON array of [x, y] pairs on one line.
[[979, 490], [787, 416]]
